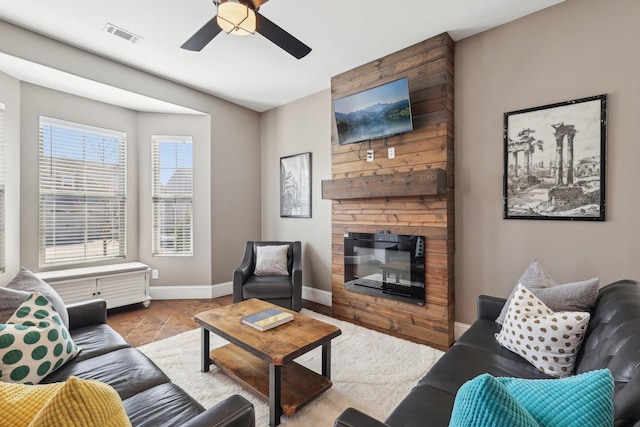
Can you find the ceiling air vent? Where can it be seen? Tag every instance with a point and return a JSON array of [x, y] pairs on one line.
[[123, 34]]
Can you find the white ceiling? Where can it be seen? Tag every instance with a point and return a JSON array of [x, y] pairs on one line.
[[249, 71]]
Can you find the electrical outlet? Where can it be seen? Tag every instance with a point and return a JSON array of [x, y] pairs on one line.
[[369, 155], [155, 274], [391, 152]]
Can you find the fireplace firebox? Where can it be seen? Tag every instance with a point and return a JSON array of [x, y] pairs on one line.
[[386, 265]]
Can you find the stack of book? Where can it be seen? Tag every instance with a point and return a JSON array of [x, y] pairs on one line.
[[267, 319]]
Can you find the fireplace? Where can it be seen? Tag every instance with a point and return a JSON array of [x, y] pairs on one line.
[[385, 265]]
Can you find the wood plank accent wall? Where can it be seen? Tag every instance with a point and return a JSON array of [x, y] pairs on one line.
[[429, 68]]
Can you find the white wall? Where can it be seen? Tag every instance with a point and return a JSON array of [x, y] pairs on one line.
[[573, 50], [10, 97], [299, 127]]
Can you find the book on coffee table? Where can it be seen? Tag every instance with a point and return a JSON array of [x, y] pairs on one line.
[[267, 319]]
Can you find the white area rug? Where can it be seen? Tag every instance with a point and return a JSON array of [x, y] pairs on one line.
[[370, 371]]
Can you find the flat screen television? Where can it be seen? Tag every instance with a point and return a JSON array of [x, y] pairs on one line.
[[378, 112]]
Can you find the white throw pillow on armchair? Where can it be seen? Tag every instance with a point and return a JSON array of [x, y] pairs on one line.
[[271, 261]]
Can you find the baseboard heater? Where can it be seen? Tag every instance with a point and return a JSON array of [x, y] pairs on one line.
[[118, 284]]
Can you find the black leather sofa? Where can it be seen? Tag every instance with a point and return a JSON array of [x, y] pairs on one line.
[[612, 341], [149, 396]]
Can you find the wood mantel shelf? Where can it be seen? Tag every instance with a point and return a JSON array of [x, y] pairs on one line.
[[417, 183]]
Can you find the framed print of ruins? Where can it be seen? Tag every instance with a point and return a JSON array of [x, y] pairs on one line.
[[554, 161]]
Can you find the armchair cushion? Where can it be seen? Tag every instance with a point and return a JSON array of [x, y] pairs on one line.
[[271, 261]]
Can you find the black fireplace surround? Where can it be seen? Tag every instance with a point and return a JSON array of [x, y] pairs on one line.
[[386, 265]]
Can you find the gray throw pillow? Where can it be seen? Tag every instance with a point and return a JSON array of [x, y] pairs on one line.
[[10, 300], [271, 261], [27, 281], [575, 296]]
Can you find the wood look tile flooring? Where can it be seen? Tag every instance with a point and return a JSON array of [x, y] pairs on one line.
[[162, 319], [165, 318]]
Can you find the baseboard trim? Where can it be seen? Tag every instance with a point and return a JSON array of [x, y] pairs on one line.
[[316, 295], [191, 292], [459, 329]]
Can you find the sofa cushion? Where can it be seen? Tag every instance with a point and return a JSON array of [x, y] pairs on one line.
[[97, 340], [126, 370], [73, 402], [27, 281], [423, 403], [481, 335], [462, 362], [271, 260], [576, 296], [581, 401], [34, 342], [550, 341], [165, 404]]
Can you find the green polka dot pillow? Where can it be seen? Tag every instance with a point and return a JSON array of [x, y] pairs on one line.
[[34, 342], [548, 340]]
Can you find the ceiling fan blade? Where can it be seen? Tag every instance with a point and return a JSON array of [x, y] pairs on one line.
[[203, 36], [280, 37]]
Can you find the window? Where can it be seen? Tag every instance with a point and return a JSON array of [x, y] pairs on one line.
[[2, 221], [82, 192], [172, 196]]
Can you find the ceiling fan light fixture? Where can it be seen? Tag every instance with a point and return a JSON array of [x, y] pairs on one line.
[[236, 18]]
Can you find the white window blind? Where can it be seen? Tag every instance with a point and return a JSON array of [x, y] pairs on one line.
[[2, 196], [82, 192], [172, 197]]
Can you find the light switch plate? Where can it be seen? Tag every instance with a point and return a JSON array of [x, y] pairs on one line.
[[369, 155], [391, 152]]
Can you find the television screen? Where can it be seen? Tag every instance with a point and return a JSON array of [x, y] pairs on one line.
[[374, 113]]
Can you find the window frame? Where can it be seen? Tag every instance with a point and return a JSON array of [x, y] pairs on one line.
[[88, 197], [3, 189], [178, 249]]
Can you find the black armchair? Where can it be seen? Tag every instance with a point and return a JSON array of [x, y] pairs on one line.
[[285, 291]]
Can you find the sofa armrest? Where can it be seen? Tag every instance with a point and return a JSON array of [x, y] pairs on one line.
[[234, 411], [87, 313], [351, 417], [489, 307]]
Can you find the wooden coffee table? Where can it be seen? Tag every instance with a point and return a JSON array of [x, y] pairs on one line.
[[263, 361]]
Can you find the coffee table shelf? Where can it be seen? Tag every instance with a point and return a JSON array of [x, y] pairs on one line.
[[300, 385], [264, 361]]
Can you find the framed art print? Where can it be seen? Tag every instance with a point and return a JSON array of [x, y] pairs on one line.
[[295, 186], [554, 161]]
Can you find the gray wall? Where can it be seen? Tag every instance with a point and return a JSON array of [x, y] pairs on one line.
[[10, 97], [573, 50], [299, 127], [37, 101], [172, 268], [576, 49], [233, 161]]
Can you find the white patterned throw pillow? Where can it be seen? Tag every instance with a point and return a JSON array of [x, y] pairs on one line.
[[271, 261], [34, 342], [548, 340]]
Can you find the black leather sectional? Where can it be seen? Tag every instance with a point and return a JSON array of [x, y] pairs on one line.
[[149, 396], [612, 341]]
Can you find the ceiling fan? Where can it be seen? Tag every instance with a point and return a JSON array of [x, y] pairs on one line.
[[240, 18]]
